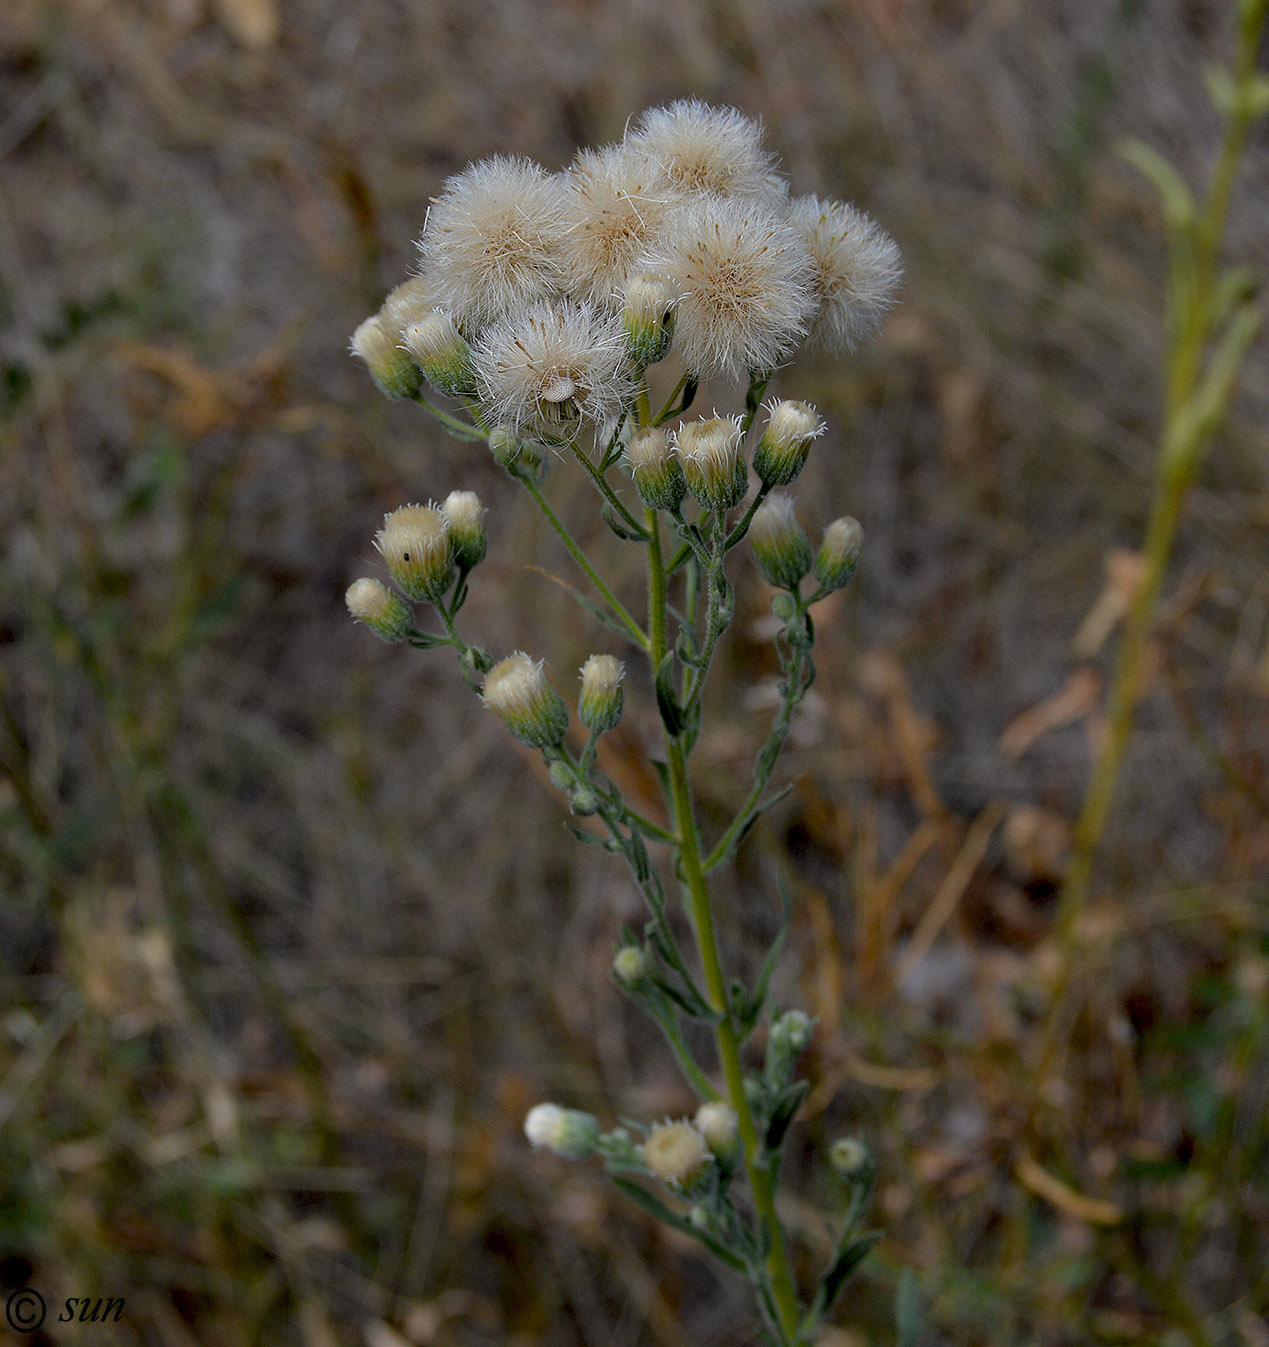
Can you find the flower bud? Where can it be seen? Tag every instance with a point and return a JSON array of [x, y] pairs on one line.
[[780, 545], [839, 553], [600, 703], [416, 545], [658, 475], [793, 1029], [717, 1122], [782, 451], [850, 1158], [516, 688], [648, 319], [631, 965], [675, 1152], [583, 801], [712, 461], [384, 612], [465, 517], [434, 342], [566, 1131], [511, 451], [391, 368]]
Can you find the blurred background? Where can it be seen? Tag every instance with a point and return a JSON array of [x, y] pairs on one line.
[[291, 933]]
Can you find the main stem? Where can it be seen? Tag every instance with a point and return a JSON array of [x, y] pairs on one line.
[[760, 1178]]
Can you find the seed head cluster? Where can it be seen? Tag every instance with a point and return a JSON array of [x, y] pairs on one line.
[[545, 295]]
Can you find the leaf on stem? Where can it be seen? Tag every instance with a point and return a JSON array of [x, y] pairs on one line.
[[667, 700]]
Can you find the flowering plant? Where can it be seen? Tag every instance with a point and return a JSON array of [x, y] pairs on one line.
[[541, 302]]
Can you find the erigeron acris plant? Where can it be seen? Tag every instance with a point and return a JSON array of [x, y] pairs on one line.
[[540, 304]]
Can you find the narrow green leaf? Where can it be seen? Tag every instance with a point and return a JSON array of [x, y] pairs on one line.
[[657, 1208], [667, 702], [1179, 208], [838, 1273], [909, 1315], [786, 1105]]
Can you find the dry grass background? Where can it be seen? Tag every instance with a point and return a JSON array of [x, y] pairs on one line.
[[291, 937]]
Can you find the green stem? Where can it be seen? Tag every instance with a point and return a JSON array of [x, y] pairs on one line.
[[725, 1037], [619, 611], [605, 489]]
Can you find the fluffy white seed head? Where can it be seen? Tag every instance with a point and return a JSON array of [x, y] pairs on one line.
[[548, 366], [492, 239], [856, 271], [675, 1152], [707, 149], [744, 279], [516, 688], [614, 201]]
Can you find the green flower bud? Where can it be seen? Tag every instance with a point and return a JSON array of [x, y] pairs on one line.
[[780, 546], [658, 475], [583, 801], [648, 319], [516, 688], [416, 545], [384, 612], [782, 451], [392, 368], [839, 553], [631, 965], [440, 352], [600, 704], [465, 517], [566, 1131], [794, 1029], [712, 462], [513, 453], [850, 1158]]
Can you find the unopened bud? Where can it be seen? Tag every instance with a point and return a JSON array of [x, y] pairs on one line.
[[850, 1158], [675, 1152], [780, 545], [782, 451], [393, 369], [717, 1122], [600, 703], [794, 1028], [443, 356], [631, 965], [405, 303], [648, 319], [566, 1131], [658, 474], [838, 556], [712, 462], [511, 451], [385, 613], [583, 801], [465, 517], [416, 545], [517, 689]]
